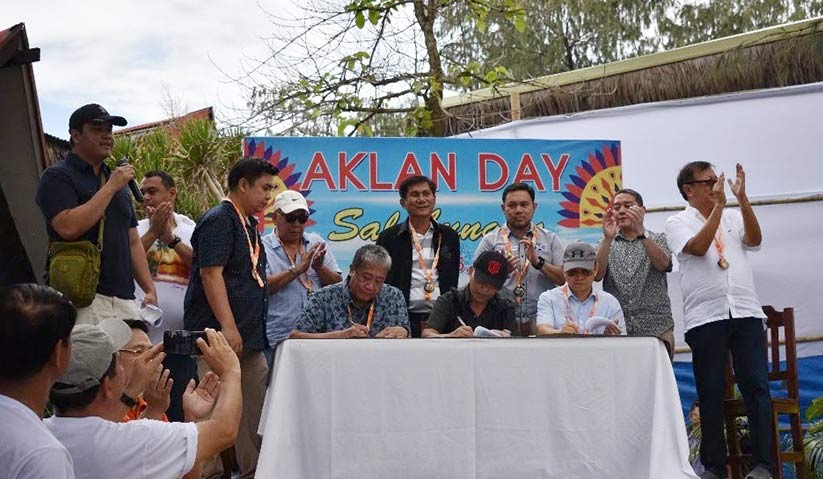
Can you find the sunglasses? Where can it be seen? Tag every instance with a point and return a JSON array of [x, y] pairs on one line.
[[297, 216], [710, 182]]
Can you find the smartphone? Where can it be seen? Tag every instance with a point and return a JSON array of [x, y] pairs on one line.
[[182, 342]]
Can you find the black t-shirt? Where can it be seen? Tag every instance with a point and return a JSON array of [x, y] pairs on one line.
[[499, 313], [72, 182]]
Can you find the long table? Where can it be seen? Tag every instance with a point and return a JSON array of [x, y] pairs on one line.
[[587, 408]]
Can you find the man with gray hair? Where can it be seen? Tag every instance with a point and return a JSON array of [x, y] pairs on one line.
[[362, 306]]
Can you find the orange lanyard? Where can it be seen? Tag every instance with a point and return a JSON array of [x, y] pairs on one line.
[[368, 318], [428, 289], [566, 293], [303, 278], [519, 273], [719, 242], [254, 252]]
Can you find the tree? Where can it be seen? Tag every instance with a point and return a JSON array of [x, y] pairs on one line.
[[360, 66], [344, 64], [198, 158]]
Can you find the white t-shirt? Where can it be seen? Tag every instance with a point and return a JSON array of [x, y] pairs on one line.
[[170, 276], [27, 449], [142, 449], [711, 293]]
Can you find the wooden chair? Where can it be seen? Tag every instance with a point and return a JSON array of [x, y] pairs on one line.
[[739, 463]]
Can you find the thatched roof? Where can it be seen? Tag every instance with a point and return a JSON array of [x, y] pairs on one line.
[[785, 55]]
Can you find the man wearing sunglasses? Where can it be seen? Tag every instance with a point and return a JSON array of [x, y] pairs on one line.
[[298, 264], [721, 310]]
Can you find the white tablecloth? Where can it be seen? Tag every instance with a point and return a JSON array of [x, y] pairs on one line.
[[561, 408]]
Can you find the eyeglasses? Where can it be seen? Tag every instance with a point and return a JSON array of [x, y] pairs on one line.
[[297, 216], [710, 182], [136, 352]]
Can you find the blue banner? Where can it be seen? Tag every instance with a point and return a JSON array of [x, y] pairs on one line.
[[351, 184]]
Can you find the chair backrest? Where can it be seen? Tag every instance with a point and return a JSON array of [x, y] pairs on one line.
[[786, 372], [775, 321]]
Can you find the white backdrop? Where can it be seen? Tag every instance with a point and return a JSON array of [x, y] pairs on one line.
[[773, 133]]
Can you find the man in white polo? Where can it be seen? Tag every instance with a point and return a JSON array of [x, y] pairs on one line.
[[721, 310]]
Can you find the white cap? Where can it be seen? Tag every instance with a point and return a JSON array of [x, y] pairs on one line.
[[289, 201], [92, 347]]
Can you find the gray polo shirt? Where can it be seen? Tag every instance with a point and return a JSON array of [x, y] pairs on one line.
[[641, 290], [548, 246]]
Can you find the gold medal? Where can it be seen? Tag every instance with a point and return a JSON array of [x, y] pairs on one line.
[[429, 287], [723, 263], [519, 291]]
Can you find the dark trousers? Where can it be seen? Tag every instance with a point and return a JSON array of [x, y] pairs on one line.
[[710, 344], [182, 369]]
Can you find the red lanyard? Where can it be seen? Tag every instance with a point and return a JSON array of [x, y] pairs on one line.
[[368, 318], [428, 289], [566, 293], [254, 252]]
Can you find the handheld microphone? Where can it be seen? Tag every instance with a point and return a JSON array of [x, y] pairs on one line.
[[135, 190]]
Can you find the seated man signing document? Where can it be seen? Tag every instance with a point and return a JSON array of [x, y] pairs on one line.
[[477, 306], [575, 307], [362, 306]]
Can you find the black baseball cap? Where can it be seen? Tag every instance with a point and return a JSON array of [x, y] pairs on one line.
[[94, 114], [491, 268]]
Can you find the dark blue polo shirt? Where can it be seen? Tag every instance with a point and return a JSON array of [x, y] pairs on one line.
[[72, 182], [219, 240]]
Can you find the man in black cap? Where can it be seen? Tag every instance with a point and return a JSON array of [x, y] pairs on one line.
[[79, 195], [458, 313]]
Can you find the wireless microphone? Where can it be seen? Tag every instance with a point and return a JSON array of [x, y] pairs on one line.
[[135, 190]]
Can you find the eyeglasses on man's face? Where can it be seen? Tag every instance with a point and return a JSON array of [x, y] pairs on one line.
[[710, 182]]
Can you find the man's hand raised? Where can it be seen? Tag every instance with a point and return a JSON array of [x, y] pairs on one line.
[[147, 368], [217, 353]]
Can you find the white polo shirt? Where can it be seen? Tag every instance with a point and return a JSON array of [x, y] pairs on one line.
[[142, 449], [27, 449], [710, 292]]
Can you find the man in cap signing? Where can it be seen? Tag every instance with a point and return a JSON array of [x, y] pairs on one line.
[[575, 307], [459, 312]]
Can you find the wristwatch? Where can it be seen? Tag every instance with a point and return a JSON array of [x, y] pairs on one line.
[[174, 242], [293, 270], [539, 265], [128, 400], [641, 237]]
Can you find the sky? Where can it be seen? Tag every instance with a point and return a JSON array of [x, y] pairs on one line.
[[130, 56]]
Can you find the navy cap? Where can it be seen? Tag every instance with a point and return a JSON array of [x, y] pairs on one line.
[[94, 114]]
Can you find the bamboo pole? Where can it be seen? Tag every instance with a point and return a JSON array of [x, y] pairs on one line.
[[780, 201]]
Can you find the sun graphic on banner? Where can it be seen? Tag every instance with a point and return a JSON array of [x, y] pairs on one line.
[[592, 189], [287, 179]]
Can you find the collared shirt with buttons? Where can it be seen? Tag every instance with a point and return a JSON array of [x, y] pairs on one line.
[[641, 289], [547, 246], [330, 308], [219, 240], [711, 293], [72, 182], [286, 304], [498, 314], [553, 309]]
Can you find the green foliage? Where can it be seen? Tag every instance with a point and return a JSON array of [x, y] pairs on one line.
[[347, 63], [198, 157]]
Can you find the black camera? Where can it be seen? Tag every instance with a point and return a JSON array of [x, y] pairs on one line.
[[183, 342]]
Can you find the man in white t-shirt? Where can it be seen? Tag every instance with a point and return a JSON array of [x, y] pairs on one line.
[[166, 238], [93, 395], [35, 323], [721, 311]]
